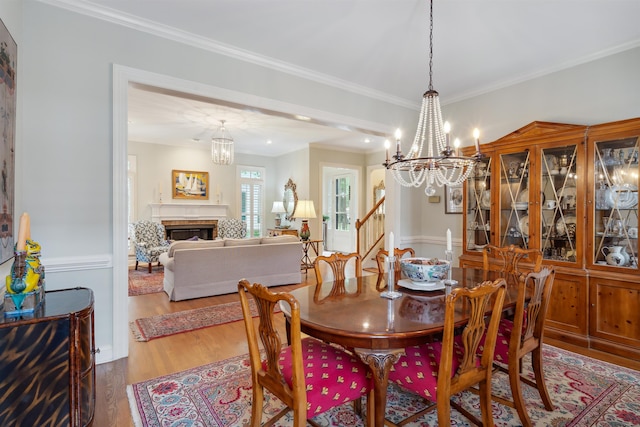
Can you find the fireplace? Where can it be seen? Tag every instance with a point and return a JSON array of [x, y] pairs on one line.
[[186, 229], [185, 220]]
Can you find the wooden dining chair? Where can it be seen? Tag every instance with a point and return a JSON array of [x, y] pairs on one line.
[[308, 376], [524, 335], [438, 370], [339, 264], [381, 258], [510, 259]]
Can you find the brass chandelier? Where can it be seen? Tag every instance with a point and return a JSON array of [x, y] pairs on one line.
[[439, 163]]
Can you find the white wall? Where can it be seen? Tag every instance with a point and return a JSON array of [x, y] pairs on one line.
[[156, 162]]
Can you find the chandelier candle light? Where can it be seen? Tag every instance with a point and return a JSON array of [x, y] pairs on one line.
[[391, 293], [438, 163]]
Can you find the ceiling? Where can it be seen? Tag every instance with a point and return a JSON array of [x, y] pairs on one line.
[[374, 47]]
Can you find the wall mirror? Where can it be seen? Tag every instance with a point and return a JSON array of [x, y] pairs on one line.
[[290, 199]]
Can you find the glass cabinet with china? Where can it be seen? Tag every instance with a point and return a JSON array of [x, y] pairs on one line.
[[559, 207], [615, 207], [513, 224], [570, 191], [478, 208]]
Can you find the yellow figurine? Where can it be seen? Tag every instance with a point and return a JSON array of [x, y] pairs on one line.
[[26, 271]]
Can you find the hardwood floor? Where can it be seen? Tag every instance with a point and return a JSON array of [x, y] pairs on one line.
[[183, 351]]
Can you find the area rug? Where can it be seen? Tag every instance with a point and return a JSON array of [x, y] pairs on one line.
[[585, 391], [163, 325], [141, 282]]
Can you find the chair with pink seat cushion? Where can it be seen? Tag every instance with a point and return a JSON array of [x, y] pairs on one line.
[[438, 370], [524, 335], [308, 376]]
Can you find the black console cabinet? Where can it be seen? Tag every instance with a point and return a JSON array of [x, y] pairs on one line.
[[47, 363]]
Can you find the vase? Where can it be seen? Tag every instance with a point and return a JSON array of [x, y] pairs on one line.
[[615, 255], [305, 233]]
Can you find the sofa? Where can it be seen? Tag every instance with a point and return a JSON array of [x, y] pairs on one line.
[[202, 268]]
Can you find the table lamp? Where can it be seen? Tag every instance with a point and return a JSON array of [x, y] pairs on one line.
[[304, 211], [278, 208]]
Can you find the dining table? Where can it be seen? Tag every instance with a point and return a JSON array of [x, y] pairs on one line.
[[353, 314]]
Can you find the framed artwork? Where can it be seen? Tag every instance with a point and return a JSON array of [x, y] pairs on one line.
[[8, 58], [190, 184], [453, 199]]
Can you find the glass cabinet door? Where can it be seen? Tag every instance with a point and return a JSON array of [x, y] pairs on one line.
[[616, 203], [559, 202], [479, 206], [514, 199]]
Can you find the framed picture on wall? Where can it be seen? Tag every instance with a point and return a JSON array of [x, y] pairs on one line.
[[8, 59], [190, 184], [453, 199]]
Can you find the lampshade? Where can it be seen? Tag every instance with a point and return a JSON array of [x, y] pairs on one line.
[[278, 207], [305, 209]]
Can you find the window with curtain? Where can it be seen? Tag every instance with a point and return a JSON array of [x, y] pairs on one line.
[[252, 198]]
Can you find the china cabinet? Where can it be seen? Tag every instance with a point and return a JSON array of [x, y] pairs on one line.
[[570, 191]]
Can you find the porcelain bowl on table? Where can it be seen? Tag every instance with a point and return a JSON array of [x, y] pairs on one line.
[[424, 269]]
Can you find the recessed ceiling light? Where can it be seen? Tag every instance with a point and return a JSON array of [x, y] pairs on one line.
[[302, 117], [367, 140], [195, 139], [269, 141]]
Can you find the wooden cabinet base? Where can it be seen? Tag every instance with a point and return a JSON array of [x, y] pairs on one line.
[[47, 365]]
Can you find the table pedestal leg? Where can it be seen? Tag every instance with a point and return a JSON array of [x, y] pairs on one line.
[[380, 362]]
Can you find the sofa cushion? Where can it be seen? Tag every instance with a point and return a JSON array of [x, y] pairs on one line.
[[242, 242], [189, 244], [279, 239]]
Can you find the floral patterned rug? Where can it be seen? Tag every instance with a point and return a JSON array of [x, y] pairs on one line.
[[586, 392], [163, 325], [141, 282]]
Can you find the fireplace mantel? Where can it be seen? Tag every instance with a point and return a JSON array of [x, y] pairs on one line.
[[167, 211]]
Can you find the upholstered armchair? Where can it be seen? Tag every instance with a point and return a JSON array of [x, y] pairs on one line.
[[232, 228], [149, 241]]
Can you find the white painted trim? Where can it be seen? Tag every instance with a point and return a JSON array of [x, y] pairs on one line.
[[120, 337], [122, 77], [76, 263], [190, 39], [429, 240]]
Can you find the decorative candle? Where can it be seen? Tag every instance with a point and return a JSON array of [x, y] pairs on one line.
[[391, 247], [456, 145], [447, 129], [23, 231], [387, 145], [448, 239], [398, 136], [476, 137]]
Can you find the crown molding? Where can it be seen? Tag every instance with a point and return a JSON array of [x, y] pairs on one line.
[[134, 22]]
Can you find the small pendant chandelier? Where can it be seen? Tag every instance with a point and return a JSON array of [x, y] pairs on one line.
[[439, 164], [222, 146]]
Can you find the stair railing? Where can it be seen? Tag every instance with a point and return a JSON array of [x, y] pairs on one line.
[[370, 229]]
